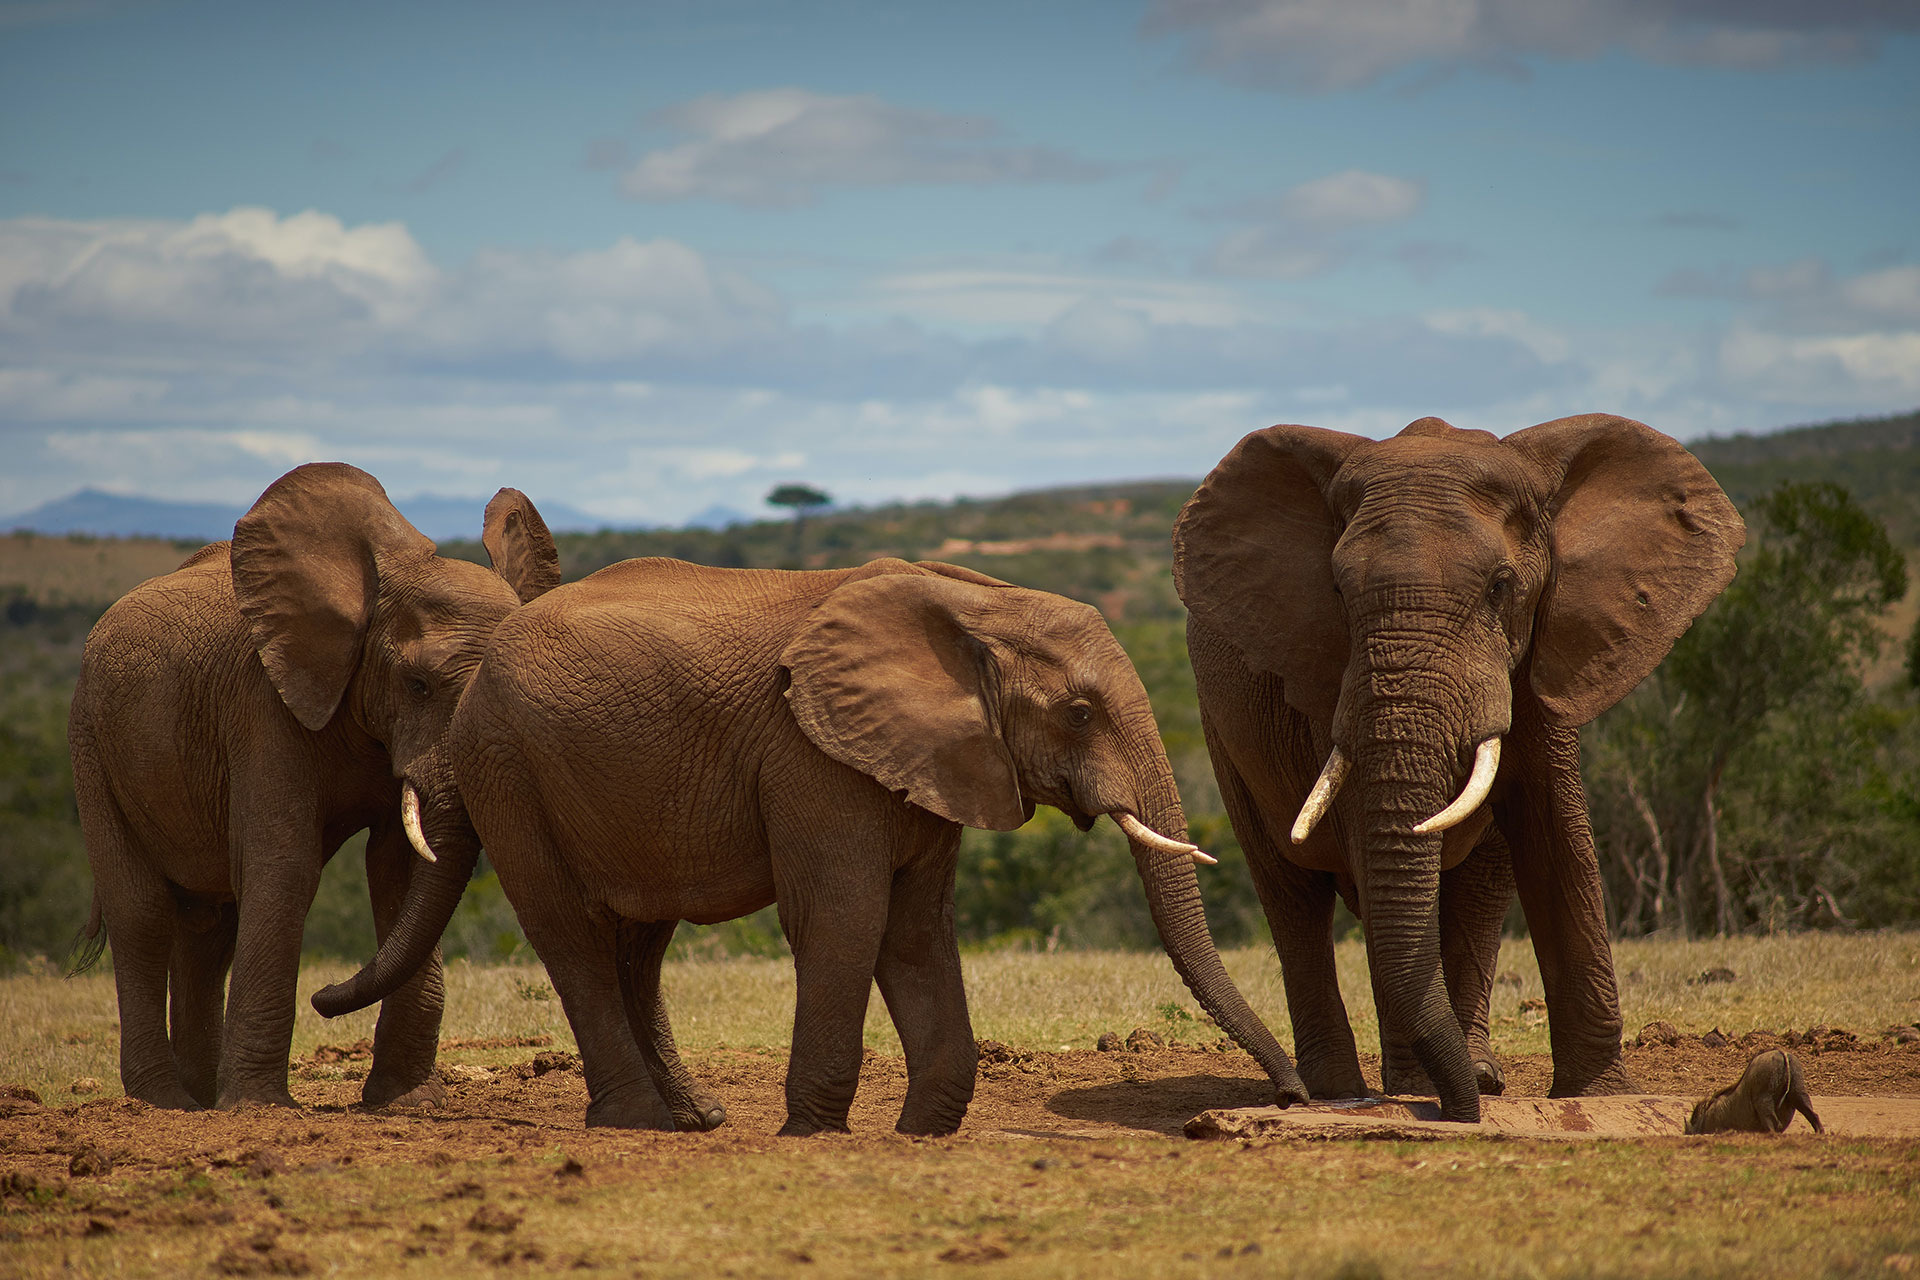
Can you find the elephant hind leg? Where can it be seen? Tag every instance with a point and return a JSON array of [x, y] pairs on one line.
[[203, 939], [642, 946], [582, 957]]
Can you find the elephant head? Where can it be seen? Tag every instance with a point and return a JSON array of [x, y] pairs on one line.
[[356, 618], [977, 700], [1410, 594]]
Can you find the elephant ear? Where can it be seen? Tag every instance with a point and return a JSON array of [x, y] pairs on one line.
[[306, 571], [1253, 560], [519, 545], [1643, 540], [891, 677]]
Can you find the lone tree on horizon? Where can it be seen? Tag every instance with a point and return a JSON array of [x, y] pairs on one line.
[[802, 498]]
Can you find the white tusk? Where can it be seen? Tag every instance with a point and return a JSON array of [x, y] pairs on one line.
[[1486, 763], [410, 819], [1142, 833], [1321, 797]]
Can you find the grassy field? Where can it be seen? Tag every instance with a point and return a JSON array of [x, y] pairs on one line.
[[59, 1029], [513, 1184]]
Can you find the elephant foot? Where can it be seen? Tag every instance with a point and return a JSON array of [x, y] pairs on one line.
[[379, 1092], [242, 1099], [1581, 1084], [624, 1111], [1342, 1080], [168, 1094], [1406, 1081], [799, 1127]]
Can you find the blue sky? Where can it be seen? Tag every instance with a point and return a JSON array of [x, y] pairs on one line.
[[646, 259]]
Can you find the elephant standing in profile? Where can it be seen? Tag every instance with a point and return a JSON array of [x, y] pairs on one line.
[[234, 722], [1398, 610], [663, 742]]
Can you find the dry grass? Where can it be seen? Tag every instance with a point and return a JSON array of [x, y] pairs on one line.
[[53, 570], [57, 1029]]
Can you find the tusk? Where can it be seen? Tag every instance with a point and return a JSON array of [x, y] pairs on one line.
[[1486, 763], [1142, 833], [1321, 797], [410, 819]]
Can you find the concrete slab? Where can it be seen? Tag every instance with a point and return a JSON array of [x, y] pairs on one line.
[[1403, 1119]]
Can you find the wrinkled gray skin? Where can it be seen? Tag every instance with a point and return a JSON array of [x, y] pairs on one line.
[[663, 742], [1762, 1100], [234, 723], [1407, 600]]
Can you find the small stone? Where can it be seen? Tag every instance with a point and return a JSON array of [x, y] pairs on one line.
[[85, 1084]]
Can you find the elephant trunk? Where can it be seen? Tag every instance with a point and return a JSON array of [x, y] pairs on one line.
[[1407, 777], [1173, 897], [433, 891]]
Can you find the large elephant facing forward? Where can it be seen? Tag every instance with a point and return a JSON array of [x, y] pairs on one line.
[[662, 742], [1399, 610], [235, 721]]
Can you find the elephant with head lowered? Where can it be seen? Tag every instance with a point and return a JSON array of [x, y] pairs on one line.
[[1394, 644], [234, 723], [663, 742]]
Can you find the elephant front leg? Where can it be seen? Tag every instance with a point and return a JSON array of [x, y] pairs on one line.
[[1474, 897], [276, 885], [643, 945], [833, 906], [1299, 908], [1557, 870], [920, 979], [406, 1040]]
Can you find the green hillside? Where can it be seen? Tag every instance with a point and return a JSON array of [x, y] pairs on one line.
[[1105, 544]]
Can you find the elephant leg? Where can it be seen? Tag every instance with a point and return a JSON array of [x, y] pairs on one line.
[[203, 939], [406, 1039], [919, 976], [582, 955], [833, 897], [643, 945], [1299, 908], [276, 874], [1543, 814], [1474, 897]]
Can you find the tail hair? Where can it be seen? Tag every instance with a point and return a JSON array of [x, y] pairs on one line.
[[88, 945]]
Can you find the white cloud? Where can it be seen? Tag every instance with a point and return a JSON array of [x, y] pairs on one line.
[[780, 147], [1310, 228], [1013, 296], [1329, 45]]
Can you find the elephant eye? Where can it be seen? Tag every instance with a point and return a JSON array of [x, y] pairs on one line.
[[1079, 713], [1500, 590], [417, 687]]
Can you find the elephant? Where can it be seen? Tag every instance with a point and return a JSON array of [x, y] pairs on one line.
[[1762, 1100], [235, 721], [662, 741], [1397, 609]]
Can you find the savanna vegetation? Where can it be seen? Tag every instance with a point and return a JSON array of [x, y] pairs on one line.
[[1766, 778]]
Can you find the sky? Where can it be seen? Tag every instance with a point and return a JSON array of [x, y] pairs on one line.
[[650, 259]]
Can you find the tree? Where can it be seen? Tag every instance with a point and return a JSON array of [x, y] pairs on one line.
[[1765, 685], [802, 499]]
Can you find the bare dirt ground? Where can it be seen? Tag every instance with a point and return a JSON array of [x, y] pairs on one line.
[[491, 1111]]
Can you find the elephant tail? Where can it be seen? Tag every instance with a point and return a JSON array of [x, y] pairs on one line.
[[89, 944]]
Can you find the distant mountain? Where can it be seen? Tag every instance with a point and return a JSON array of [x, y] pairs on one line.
[[117, 515], [719, 517]]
